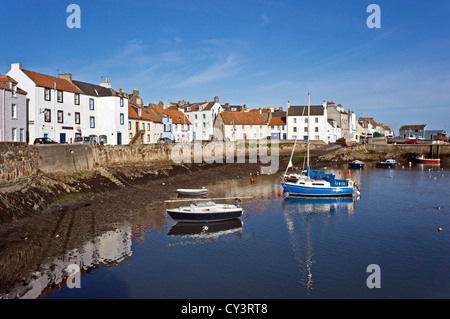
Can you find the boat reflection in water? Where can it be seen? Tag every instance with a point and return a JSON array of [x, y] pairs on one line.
[[298, 213], [204, 232]]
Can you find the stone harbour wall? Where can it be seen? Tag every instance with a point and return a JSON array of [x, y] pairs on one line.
[[17, 160]]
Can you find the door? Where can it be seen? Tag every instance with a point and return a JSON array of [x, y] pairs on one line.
[[119, 138], [62, 137]]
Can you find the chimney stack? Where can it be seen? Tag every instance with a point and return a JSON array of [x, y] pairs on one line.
[[106, 84], [66, 76]]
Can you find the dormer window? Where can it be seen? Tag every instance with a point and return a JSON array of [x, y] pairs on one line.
[[14, 89]]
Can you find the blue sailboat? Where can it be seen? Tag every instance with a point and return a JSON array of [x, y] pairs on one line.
[[316, 183]]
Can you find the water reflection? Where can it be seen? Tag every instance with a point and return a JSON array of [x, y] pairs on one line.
[[197, 233], [307, 208], [108, 249]]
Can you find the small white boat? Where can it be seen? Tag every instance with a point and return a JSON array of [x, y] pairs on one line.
[[192, 192], [205, 212]]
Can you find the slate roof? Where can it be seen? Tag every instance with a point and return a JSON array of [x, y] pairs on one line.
[[302, 110], [93, 89]]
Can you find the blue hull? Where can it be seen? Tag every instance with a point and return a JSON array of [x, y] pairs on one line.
[[298, 190], [204, 217], [356, 165]]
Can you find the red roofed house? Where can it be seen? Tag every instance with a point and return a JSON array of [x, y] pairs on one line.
[[235, 126], [53, 103], [181, 127], [13, 111], [202, 116]]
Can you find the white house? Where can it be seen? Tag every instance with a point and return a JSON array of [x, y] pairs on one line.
[[53, 104], [298, 126], [202, 116], [104, 115], [233, 126], [333, 130]]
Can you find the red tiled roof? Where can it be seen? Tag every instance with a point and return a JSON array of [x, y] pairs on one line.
[[132, 114], [48, 81], [277, 121], [196, 106], [177, 117], [7, 78], [242, 118]]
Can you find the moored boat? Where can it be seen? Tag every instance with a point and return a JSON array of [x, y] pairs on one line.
[[421, 159], [205, 212], [387, 163], [315, 183], [192, 192], [356, 163]]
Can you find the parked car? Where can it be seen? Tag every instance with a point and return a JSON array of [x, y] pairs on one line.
[[341, 139], [412, 142], [165, 140], [44, 140], [82, 140]]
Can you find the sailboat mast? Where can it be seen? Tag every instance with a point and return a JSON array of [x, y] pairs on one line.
[[307, 142]]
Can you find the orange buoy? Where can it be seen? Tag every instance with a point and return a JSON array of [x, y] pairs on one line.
[[279, 193], [439, 229], [340, 172], [252, 180], [348, 172]]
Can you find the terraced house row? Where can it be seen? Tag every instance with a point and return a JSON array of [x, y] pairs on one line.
[[35, 105]]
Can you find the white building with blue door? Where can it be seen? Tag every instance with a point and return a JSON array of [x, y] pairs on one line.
[[105, 113]]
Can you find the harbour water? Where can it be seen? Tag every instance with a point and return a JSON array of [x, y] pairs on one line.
[[281, 247]]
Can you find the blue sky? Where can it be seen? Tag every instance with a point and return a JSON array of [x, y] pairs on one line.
[[259, 53]]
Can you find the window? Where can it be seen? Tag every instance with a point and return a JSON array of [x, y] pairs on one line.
[[60, 96], [148, 138], [14, 89], [122, 120], [14, 134], [204, 116], [121, 102], [295, 129], [77, 117], [13, 111], [143, 126], [316, 129], [92, 122], [195, 116], [47, 95], [295, 120], [60, 117], [317, 120], [148, 126], [47, 115], [91, 104], [22, 135], [129, 125], [131, 136], [77, 99], [306, 129]]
